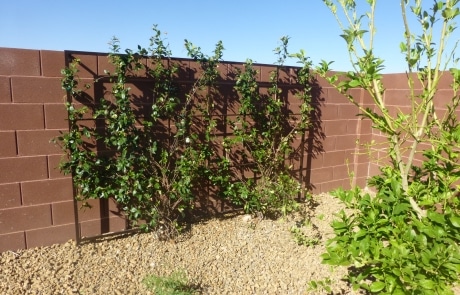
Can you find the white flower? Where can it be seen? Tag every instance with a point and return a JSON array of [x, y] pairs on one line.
[[187, 140]]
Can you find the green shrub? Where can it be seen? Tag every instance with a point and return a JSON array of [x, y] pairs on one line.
[[155, 176], [390, 250], [150, 173], [264, 131]]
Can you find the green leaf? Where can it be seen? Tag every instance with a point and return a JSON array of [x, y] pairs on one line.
[[403, 47], [450, 13], [436, 217], [398, 291], [377, 286], [354, 83], [427, 284], [451, 266], [421, 239], [402, 207], [313, 285], [455, 221], [361, 233]]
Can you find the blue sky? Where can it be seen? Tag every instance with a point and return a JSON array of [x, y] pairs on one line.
[[248, 29]]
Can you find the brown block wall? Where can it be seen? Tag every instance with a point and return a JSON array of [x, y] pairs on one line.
[[36, 199], [29, 184]]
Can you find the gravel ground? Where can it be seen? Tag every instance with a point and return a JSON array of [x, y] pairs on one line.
[[231, 255]]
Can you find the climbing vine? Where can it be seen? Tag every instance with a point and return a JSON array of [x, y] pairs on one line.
[[154, 157]]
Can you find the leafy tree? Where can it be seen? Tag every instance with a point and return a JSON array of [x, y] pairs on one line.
[[405, 239]]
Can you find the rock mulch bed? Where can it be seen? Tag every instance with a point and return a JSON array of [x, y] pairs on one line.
[[231, 255]]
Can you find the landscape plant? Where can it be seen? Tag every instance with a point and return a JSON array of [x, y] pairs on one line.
[[150, 171], [403, 238], [174, 284], [305, 233], [153, 153], [264, 130]]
